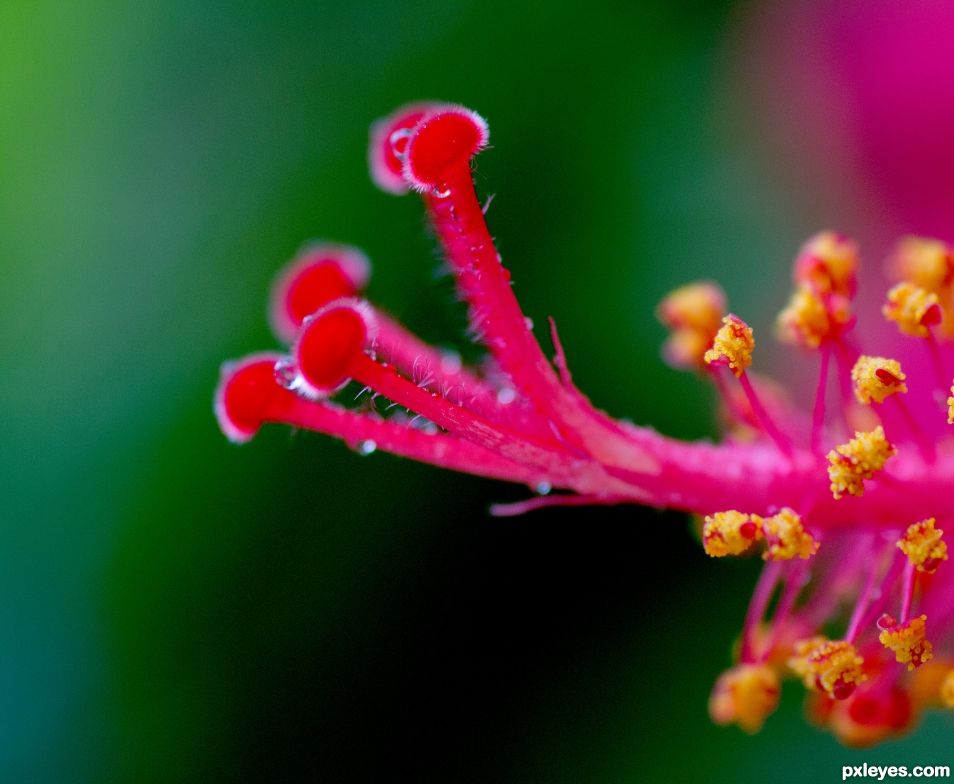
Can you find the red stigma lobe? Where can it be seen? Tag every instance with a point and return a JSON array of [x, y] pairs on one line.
[[328, 345], [440, 142], [244, 395]]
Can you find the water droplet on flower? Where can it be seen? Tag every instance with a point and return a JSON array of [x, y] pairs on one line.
[[544, 488], [286, 373], [506, 396], [398, 142], [367, 447], [441, 193], [451, 362], [529, 322]]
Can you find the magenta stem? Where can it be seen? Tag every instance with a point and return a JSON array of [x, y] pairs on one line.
[[437, 449], [925, 444], [549, 456], [883, 594], [760, 599], [731, 404], [937, 361], [908, 591], [793, 587], [845, 363], [768, 425], [403, 349], [426, 366], [818, 413], [854, 625], [496, 315]]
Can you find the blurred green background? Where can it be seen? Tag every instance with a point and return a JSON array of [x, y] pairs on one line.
[[179, 609]]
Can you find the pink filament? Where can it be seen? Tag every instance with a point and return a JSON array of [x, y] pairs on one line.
[[766, 421], [818, 413]]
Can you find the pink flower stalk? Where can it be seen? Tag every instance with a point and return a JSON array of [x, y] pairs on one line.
[[847, 503]]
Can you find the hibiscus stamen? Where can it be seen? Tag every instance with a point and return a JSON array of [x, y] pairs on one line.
[[764, 589], [520, 417], [794, 583], [857, 460], [732, 347], [854, 624], [907, 639], [818, 410], [876, 379]]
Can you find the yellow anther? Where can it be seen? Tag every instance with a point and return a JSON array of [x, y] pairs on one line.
[[786, 537], [685, 349], [950, 408], [833, 667], [745, 695], [875, 378], [730, 533], [924, 262], [850, 464], [798, 662], [924, 684], [828, 262], [924, 545], [693, 306], [693, 313], [913, 309], [947, 689], [732, 346], [908, 641], [807, 320]]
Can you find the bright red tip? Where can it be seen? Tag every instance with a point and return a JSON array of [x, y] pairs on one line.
[[328, 344], [388, 147], [441, 140], [842, 690], [748, 530], [319, 274], [246, 388], [932, 316]]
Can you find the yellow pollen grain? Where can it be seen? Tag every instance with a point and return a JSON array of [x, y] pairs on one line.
[[829, 665], [786, 537], [804, 320], [947, 689], [698, 306], [909, 642], [685, 349], [745, 695], [798, 663], [828, 261], [733, 345], [693, 314], [851, 463], [876, 378], [924, 545], [722, 533], [907, 305], [927, 263]]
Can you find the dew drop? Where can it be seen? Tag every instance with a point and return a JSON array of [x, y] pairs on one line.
[[544, 488], [441, 193], [398, 142], [286, 374], [451, 362], [529, 322], [367, 447], [506, 396]]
